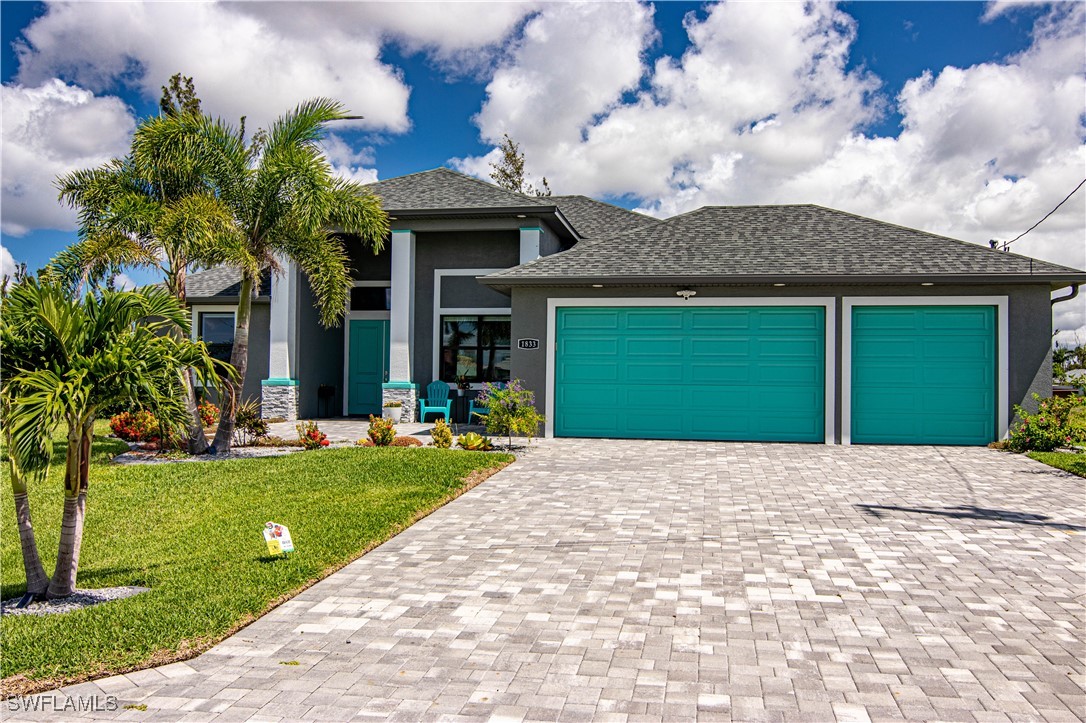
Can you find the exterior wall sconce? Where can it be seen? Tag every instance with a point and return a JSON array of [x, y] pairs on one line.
[[686, 294]]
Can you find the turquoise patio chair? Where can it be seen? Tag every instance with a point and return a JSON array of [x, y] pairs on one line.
[[436, 402]]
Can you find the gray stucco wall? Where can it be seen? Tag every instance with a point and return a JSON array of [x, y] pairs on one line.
[[259, 340], [454, 250], [320, 359], [1029, 322]]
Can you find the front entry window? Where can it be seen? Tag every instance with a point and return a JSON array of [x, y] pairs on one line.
[[217, 332], [475, 348]]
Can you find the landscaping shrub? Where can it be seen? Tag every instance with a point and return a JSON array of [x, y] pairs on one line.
[[248, 426], [511, 410], [272, 441], [382, 431], [474, 442], [209, 414], [135, 426], [365, 443], [441, 435], [1049, 428], [310, 435], [405, 442]]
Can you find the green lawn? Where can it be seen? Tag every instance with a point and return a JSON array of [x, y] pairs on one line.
[[1074, 463], [192, 533]]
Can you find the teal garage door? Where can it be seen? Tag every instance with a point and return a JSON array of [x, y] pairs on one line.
[[923, 374], [723, 373]]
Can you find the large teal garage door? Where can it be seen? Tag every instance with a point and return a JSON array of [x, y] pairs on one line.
[[923, 374], [724, 373]]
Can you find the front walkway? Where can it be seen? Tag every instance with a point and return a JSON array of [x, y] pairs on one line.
[[682, 580]]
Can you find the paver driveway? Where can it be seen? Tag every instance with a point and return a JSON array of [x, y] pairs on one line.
[[622, 580]]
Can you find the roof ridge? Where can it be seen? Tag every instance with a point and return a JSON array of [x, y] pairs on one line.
[[464, 176]]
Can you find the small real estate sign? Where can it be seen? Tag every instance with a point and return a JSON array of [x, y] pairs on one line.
[[278, 538]]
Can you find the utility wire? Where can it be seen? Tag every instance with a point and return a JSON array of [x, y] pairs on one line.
[[1057, 208]]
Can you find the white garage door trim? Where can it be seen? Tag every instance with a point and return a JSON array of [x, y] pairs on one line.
[[1002, 354], [828, 303]]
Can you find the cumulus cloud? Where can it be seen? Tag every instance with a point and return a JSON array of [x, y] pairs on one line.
[[762, 108], [223, 47], [7, 263], [49, 130], [348, 163]]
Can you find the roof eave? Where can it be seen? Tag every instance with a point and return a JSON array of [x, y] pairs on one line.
[[1057, 280], [565, 228]]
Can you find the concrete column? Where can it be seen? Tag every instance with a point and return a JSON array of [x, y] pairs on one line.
[[279, 392], [529, 244], [401, 324]]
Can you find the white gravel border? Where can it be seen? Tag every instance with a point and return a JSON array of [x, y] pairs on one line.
[[76, 601]]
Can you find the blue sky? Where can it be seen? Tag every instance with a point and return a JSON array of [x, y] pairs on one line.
[[660, 107]]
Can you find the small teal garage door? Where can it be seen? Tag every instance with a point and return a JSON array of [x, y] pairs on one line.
[[923, 374], [723, 373]]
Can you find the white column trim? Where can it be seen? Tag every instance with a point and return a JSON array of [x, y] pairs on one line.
[[283, 323], [402, 314], [1003, 418], [829, 303]]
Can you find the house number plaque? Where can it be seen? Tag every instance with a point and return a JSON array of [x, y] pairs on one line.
[[527, 343]]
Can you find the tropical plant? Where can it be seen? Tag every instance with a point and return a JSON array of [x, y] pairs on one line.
[[138, 426], [393, 404], [310, 435], [209, 413], [249, 426], [441, 434], [1050, 427], [405, 442], [62, 361], [284, 202], [474, 442], [510, 410], [154, 208], [382, 431]]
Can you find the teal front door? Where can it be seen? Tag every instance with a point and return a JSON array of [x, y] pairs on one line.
[[923, 374], [722, 373], [367, 365]]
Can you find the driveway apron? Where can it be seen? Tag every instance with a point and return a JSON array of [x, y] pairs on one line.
[[613, 580]]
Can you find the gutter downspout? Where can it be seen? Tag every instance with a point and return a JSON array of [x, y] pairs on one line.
[[1072, 295]]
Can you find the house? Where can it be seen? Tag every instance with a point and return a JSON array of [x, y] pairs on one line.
[[766, 323]]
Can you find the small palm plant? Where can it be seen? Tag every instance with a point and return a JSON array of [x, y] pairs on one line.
[[63, 360]]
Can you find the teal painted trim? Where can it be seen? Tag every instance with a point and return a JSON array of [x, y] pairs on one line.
[[402, 230], [399, 385], [531, 228], [279, 382]]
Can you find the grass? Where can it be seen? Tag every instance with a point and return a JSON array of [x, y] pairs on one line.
[[1072, 462], [192, 533]]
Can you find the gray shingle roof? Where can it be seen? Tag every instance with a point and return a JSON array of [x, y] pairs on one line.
[[442, 188], [596, 219], [765, 242], [221, 281]]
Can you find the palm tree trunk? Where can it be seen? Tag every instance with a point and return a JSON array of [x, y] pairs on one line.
[[36, 580], [71, 525], [196, 442], [239, 359]]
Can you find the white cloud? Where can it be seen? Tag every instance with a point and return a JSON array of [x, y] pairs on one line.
[[123, 282], [7, 263], [354, 165], [224, 48], [50, 130]]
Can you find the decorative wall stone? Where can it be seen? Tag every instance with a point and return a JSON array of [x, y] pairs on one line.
[[279, 401], [410, 400]]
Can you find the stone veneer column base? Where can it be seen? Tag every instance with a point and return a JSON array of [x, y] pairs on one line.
[[402, 392], [279, 398]]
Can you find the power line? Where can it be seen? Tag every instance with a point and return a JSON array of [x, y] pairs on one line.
[[1080, 184]]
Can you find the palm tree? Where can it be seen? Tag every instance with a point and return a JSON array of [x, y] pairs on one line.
[[286, 205], [64, 358], [154, 209]]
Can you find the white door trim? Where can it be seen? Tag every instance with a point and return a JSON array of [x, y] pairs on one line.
[[829, 303], [1002, 351], [362, 315]]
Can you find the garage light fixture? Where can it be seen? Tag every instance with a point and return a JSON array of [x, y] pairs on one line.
[[779, 284], [927, 283], [597, 286], [686, 293]]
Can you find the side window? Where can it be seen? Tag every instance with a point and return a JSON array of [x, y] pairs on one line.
[[217, 331], [371, 298]]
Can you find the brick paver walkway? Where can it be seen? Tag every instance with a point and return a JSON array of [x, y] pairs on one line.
[[629, 581]]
